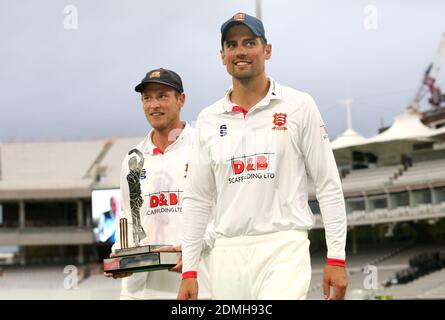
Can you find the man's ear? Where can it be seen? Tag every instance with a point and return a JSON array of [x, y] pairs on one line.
[[268, 50], [223, 56], [182, 99]]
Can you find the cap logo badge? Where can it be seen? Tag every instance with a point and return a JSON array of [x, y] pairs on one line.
[[155, 74], [239, 16]]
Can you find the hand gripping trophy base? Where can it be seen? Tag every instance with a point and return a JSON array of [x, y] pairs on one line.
[[140, 259]]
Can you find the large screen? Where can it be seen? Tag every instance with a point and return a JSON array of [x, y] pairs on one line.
[[106, 210]]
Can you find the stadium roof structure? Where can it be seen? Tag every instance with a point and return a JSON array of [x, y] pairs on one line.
[[46, 169], [438, 132], [60, 170], [110, 165], [406, 129], [407, 126], [348, 138]]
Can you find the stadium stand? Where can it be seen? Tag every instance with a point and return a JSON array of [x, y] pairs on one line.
[[46, 282], [431, 286], [358, 265], [47, 170], [419, 266], [370, 179], [45, 197], [388, 260], [422, 173], [110, 165]]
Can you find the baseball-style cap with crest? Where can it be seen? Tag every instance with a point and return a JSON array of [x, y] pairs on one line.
[[254, 24], [162, 76]]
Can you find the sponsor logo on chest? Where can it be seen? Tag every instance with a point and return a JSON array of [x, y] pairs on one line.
[[168, 198], [257, 167], [165, 202]]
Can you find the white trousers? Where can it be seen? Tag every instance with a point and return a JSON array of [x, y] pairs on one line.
[[267, 267]]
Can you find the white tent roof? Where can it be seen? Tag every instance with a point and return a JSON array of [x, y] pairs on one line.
[[406, 126], [348, 138], [438, 131]]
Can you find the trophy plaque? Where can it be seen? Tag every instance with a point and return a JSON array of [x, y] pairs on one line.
[[137, 258]]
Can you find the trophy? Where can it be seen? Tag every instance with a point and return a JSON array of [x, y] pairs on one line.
[[137, 258]]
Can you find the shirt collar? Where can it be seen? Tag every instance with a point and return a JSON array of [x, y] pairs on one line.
[[273, 94], [149, 147]]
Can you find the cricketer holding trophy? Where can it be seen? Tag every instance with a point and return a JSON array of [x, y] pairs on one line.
[[152, 184]]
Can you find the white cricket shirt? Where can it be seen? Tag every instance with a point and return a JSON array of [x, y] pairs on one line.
[[255, 165], [162, 188]]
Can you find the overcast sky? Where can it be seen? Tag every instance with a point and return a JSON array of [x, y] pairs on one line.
[[61, 82]]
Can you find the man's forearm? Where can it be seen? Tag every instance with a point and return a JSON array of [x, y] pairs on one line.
[[195, 221]]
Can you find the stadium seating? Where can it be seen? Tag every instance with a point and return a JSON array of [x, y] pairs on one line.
[[373, 255], [424, 172], [431, 286], [370, 179], [419, 266], [43, 282], [389, 260]]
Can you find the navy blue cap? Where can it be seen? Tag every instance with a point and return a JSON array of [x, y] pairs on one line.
[[254, 24], [162, 76]]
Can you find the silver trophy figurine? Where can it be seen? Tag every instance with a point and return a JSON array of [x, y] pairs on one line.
[[134, 185], [137, 258]]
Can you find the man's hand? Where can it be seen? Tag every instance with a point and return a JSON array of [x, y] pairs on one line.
[[117, 275], [188, 289], [336, 277], [178, 266]]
